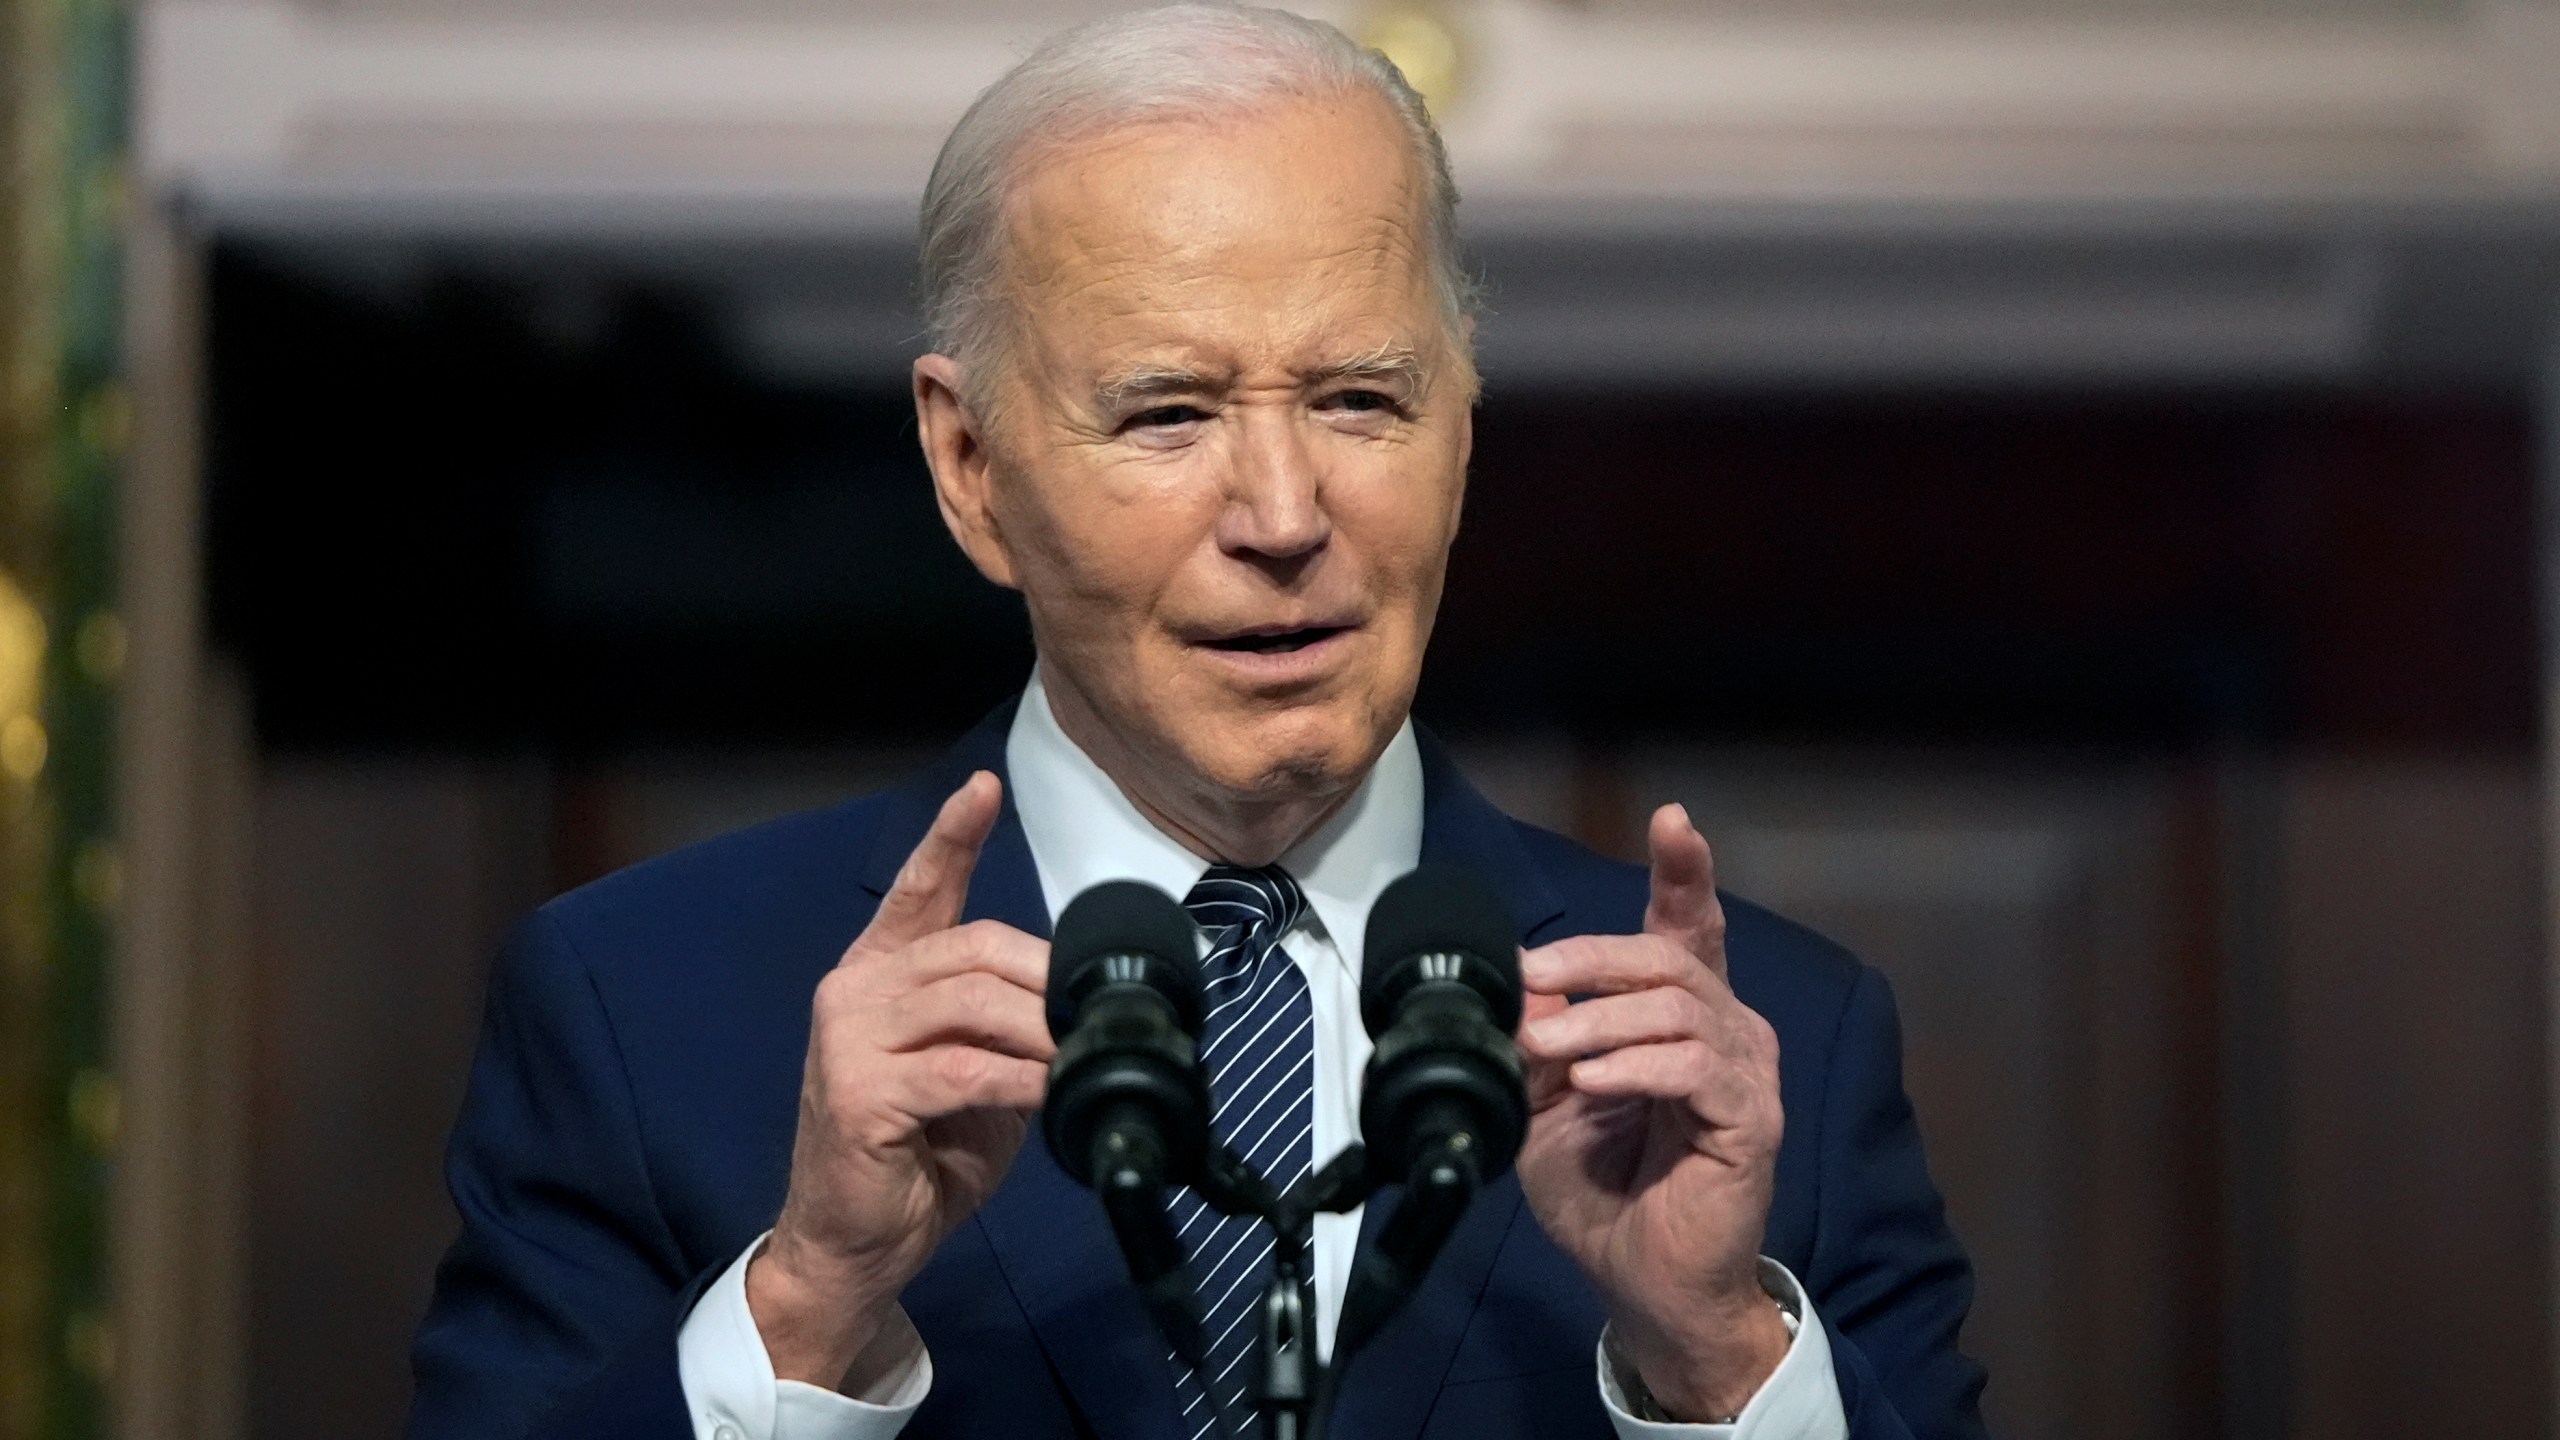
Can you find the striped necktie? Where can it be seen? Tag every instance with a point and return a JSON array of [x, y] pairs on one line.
[[1257, 1046]]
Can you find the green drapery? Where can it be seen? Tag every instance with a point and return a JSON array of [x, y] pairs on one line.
[[64, 417]]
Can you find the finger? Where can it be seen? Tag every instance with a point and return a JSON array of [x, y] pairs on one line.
[[972, 1008], [947, 1079], [1663, 1013], [1667, 1070], [991, 946], [1536, 1007], [1546, 1078], [1722, 1095], [1683, 906], [933, 885], [1613, 965]]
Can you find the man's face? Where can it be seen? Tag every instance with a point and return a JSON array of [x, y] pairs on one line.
[[1229, 443]]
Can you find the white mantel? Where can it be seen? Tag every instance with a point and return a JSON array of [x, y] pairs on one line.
[[251, 98], [2169, 191]]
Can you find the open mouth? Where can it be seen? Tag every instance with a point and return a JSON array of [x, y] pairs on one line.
[[1278, 642]]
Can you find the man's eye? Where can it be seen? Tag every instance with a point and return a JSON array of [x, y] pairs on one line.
[[1164, 415], [1360, 400]]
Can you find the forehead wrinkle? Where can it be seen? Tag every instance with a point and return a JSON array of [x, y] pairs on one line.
[[1087, 260]]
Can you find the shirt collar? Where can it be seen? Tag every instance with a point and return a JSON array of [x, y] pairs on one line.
[[1083, 830]]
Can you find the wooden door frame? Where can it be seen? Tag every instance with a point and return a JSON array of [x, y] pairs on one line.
[[187, 766]]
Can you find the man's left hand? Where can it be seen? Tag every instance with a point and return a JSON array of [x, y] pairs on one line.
[[1653, 1135]]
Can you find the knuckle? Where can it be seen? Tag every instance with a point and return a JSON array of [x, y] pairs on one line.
[[831, 990], [1764, 1036], [980, 994], [1691, 1015], [915, 875], [835, 1021], [961, 1067]]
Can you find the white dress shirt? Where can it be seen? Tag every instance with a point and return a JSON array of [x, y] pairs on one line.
[[1082, 831]]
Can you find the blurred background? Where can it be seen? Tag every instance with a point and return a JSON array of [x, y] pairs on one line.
[[2061, 490]]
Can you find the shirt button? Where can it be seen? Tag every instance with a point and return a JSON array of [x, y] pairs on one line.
[[728, 1432]]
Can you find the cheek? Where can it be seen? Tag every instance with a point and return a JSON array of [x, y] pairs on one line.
[[1104, 542], [1405, 526]]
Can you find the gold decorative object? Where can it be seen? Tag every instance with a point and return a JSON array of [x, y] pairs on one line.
[[66, 418], [21, 652], [1425, 42], [23, 748]]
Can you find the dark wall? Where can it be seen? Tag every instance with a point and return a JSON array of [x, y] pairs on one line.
[[446, 523]]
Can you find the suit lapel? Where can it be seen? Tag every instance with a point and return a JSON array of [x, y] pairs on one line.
[[1048, 1233], [1388, 1390]]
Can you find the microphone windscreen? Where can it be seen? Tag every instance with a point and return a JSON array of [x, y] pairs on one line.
[[1440, 910], [1123, 917]]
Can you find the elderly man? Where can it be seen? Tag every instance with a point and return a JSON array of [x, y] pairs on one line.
[[744, 1154]]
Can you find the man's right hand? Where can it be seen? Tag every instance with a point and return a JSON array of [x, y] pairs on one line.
[[928, 1051]]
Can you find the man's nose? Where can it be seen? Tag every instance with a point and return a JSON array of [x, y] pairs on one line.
[[1275, 503]]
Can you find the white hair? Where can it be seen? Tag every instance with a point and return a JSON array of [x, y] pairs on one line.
[[1175, 61]]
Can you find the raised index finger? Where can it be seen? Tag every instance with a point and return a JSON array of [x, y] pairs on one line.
[[933, 886], [1683, 906]]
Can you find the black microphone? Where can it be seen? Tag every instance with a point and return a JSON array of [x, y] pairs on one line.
[[1443, 1105], [1440, 994], [1128, 1110]]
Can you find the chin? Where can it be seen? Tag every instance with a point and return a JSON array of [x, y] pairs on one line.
[[1295, 755]]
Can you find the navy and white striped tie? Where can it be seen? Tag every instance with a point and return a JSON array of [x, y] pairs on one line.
[[1257, 1046]]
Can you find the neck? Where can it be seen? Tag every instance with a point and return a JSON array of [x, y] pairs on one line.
[[1214, 824]]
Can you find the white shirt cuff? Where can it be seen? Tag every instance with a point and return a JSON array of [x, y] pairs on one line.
[[1799, 1401], [730, 1389]]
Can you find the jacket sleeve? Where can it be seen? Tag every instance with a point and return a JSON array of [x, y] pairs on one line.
[[555, 1312], [1888, 1278]]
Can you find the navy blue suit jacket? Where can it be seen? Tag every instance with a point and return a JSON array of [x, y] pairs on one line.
[[629, 1123]]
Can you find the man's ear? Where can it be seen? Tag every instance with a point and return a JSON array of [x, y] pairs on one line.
[[956, 451]]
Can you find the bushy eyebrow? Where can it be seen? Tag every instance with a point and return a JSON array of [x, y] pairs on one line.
[[1151, 382], [1392, 362], [1389, 362]]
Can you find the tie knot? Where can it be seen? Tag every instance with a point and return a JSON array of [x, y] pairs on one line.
[[1255, 907]]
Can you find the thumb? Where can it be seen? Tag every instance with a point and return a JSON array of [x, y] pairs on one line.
[[933, 886], [1683, 905]]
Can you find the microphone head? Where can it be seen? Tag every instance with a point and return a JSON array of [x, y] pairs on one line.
[[1440, 923], [1123, 931]]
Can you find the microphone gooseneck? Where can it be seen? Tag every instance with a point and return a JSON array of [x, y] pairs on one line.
[[1127, 1112]]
